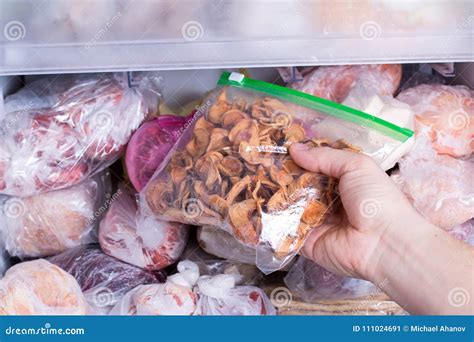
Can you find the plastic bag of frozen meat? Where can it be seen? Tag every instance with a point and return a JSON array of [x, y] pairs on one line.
[[81, 128], [231, 168], [49, 223], [439, 186], [103, 279], [311, 282], [335, 82], [40, 288], [446, 114], [219, 295], [140, 240], [175, 297]]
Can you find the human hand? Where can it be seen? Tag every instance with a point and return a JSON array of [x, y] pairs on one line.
[[349, 242]]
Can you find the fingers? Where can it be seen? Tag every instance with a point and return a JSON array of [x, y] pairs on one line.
[[329, 161]]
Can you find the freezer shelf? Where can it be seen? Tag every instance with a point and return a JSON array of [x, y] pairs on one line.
[[77, 35]]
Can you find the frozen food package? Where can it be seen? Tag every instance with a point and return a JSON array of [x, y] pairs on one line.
[[311, 282], [103, 279], [174, 297], [447, 113], [49, 223], [223, 245], [440, 187], [209, 264], [83, 131], [231, 168], [335, 82], [137, 239], [219, 295], [149, 145], [40, 288]]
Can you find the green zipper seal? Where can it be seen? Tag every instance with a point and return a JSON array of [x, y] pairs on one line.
[[321, 105]]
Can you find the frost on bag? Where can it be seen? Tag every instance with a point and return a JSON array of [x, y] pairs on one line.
[[83, 130], [174, 297], [231, 167], [49, 223], [140, 240], [440, 187], [103, 279], [311, 282], [446, 113], [219, 295], [335, 82], [40, 288]]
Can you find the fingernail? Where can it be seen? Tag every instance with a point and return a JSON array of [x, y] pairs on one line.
[[299, 147]]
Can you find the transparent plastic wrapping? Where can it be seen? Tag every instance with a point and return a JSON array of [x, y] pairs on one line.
[[440, 187], [140, 240], [103, 279], [40, 288], [446, 113], [174, 297], [4, 259], [231, 167], [244, 274], [335, 82], [49, 223], [311, 282], [219, 295], [80, 128], [464, 232]]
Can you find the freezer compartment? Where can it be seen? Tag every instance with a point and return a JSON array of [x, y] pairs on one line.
[[69, 36]]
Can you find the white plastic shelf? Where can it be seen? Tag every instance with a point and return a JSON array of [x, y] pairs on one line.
[[51, 36]]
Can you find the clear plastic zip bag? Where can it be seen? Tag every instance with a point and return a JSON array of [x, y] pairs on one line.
[[231, 168]]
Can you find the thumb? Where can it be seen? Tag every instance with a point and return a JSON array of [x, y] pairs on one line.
[[330, 161]]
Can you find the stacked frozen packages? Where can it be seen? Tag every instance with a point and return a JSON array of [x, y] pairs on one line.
[[226, 169]]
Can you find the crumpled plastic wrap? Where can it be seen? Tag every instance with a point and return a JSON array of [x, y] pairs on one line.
[[174, 297], [440, 187], [446, 113], [140, 240], [103, 279], [231, 169], [223, 245], [219, 295], [81, 128], [464, 232], [40, 288], [335, 82], [311, 282], [49, 223]]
